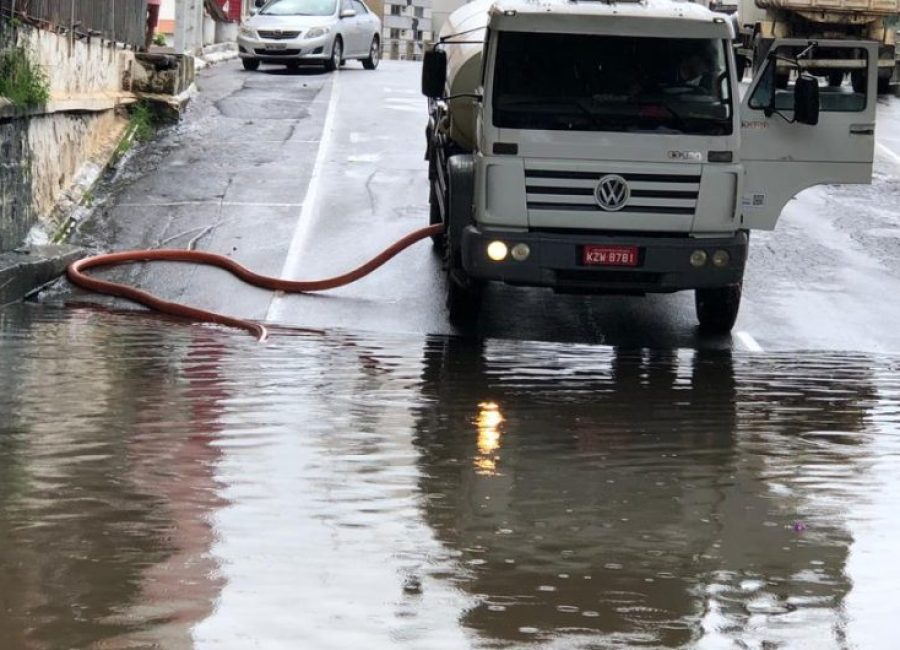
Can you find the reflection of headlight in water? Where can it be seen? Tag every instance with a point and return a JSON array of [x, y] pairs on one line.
[[488, 422]]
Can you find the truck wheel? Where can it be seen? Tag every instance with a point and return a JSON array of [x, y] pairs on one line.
[[463, 301], [717, 308], [250, 64], [434, 218], [884, 84], [740, 67]]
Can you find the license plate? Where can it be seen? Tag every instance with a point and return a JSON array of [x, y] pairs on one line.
[[276, 46], [609, 256]]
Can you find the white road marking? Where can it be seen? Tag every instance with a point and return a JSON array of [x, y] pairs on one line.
[[310, 203], [888, 152], [747, 342]]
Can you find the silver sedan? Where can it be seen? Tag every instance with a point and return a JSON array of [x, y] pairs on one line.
[[291, 32]]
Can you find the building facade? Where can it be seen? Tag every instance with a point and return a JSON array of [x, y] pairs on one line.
[[406, 28]]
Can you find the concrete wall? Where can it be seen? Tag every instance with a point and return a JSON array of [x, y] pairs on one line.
[[16, 212], [43, 149]]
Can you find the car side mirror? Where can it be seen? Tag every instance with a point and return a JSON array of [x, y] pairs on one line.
[[806, 100], [434, 73], [348, 13]]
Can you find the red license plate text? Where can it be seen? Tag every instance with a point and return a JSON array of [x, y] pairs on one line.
[[609, 255]]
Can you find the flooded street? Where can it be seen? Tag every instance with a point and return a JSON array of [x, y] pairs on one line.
[[184, 486]]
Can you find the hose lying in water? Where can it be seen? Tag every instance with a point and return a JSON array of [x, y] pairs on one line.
[[76, 275]]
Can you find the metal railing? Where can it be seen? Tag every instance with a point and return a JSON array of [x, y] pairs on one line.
[[122, 21]]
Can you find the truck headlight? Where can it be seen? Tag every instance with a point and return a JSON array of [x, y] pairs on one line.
[[316, 32], [497, 251]]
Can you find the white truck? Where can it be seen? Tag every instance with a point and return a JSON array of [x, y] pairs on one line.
[[602, 147], [762, 21]]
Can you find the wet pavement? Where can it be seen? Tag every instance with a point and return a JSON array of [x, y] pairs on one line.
[[183, 486], [571, 472]]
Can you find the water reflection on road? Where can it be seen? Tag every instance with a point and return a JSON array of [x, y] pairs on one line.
[[179, 485]]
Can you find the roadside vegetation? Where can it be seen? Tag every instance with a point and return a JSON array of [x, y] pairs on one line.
[[21, 79], [143, 122]]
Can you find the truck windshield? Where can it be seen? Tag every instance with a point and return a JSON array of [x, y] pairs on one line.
[[584, 82]]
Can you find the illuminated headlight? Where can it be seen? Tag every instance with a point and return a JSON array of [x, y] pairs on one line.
[[520, 252], [316, 32], [721, 258], [698, 258], [497, 251], [247, 31]]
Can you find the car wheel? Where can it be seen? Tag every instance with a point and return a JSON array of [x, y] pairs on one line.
[[250, 64], [374, 57], [717, 308], [337, 55]]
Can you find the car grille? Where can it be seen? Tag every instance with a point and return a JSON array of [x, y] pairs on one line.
[[574, 191], [277, 35], [265, 52]]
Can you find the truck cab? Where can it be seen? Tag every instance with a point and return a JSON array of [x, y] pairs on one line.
[[606, 148]]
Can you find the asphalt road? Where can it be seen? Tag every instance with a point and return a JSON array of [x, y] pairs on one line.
[[305, 175]]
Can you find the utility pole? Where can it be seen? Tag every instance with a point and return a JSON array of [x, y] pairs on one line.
[[188, 26]]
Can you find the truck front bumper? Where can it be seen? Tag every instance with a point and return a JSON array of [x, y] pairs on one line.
[[556, 261]]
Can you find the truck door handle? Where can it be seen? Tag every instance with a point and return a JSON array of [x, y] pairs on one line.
[[862, 129]]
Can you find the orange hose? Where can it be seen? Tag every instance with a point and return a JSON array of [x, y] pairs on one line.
[[76, 275]]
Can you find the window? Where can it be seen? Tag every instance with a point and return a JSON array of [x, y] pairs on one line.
[[395, 10], [361, 9], [586, 82], [395, 34], [841, 73], [419, 12], [299, 8]]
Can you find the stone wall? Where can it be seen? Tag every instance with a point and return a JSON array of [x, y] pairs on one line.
[[44, 148], [16, 211]]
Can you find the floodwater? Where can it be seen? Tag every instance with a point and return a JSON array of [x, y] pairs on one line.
[[173, 485]]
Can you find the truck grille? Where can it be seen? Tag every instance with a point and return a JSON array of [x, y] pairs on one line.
[[574, 190], [277, 35]]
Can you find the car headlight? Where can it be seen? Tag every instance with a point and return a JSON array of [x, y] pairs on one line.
[[247, 31], [316, 32]]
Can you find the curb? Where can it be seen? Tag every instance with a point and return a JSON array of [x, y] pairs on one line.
[[24, 271]]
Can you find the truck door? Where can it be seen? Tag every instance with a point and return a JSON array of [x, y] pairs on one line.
[[782, 158]]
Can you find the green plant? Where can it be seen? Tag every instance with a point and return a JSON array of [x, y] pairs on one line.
[[21, 80], [143, 121], [159, 39]]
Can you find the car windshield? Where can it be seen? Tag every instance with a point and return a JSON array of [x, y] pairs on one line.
[[299, 8], [611, 83]]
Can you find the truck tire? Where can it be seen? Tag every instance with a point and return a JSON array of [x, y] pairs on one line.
[[740, 67], [434, 218], [717, 308], [463, 292], [884, 84]]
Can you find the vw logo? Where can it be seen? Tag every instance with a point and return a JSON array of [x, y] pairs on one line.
[[612, 192]]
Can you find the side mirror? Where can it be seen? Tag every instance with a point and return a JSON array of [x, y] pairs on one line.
[[348, 13], [806, 100], [434, 73]]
